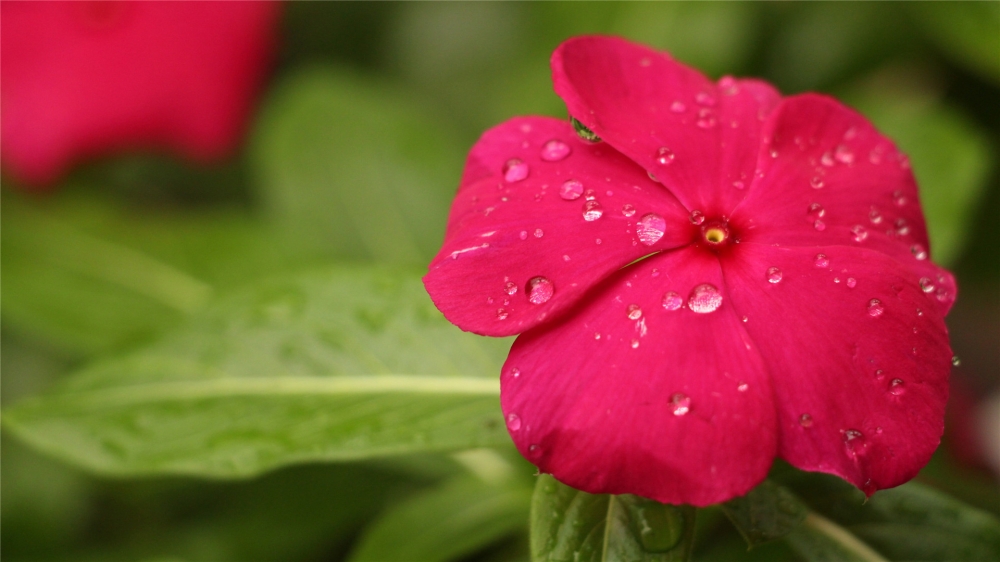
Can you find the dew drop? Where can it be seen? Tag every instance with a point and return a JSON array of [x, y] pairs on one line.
[[697, 217], [704, 298], [513, 422], [555, 150], [827, 159], [844, 155], [515, 170], [742, 387], [822, 261], [523, 235], [926, 285], [875, 308], [918, 252], [897, 387], [538, 233], [898, 198], [680, 404], [705, 99], [650, 228], [592, 211], [678, 107], [739, 185], [634, 312], [855, 441], [635, 344], [955, 360], [515, 372], [510, 288], [628, 210], [805, 420], [539, 290], [706, 119], [672, 301], [773, 275], [501, 314], [590, 195], [570, 190], [902, 228], [851, 282], [816, 182], [815, 211], [664, 156], [874, 216], [859, 233]]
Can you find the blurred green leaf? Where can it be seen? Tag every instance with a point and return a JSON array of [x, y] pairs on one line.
[[567, 524], [820, 540], [968, 31], [950, 157], [336, 365], [354, 169], [451, 521], [766, 513]]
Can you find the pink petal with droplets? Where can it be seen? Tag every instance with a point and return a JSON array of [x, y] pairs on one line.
[[833, 355], [653, 406], [631, 96], [503, 234]]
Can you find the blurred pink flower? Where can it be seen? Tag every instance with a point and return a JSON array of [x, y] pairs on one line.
[[82, 79], [729, 277]]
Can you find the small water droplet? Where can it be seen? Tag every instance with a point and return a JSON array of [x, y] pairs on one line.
[[742, 387], [515, 170], [739, 185], [874, 216], [598, 241], [513, 422], [706, 119], [805, 420], [955, 360], [555, 150], [704, 298], [926, 285], [819, 225], [827, 159], [822, 261], [538, 233], [855, 441], [672, 301], [592, 211], [650, 228], [774, 153], [501, 314], [597, 335], [859, 233], [635, 344], [816, 182], [902, 228], [664, 156], [510, 288], [844, 155], [851, 282], [678, 107], [515, 372], [897, 387], [918, 252], [815, 211], [539, 290], [773, 275], [697, 217], [680, 404], [634, 312], [705, 99], [899, 198], [570, 190], [875, 308], [745, 319], [590, 195], [628, 210]]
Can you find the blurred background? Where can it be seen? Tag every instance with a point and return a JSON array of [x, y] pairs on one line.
[[350, 152]]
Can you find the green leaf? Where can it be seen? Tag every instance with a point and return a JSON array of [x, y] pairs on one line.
[[968, 31], [950, 158], [355, 169], [820, 540], [446, 523], [570, 525], [766, 513], [336, 365]]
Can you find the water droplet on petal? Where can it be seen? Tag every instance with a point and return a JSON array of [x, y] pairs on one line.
[[705, 99], [739, 185], [628, 210], [590, 195], [513, 422], [851, 282], [706, 119], [897, 387], [510, 288], [899, 198], [523, 235], [680, 404], [819, 225], [815, 211], [515, 170], [678, 107], [816, 182], [955, 360], [773, 275], [742, 387], [855, 441], [697, 217], [874, 216], [844, 155], [859, 233], [704, 298], [902, 228], [926, 285], [635, 344], [555, 150], [672, 301], [918, 252], [570, 190], [538, 233], [650, 228], [634, 312], [501, 314], [664, 156], [827, 159], [539, 290], [822, 261], [592, 211], [805, 420], [875, 308]]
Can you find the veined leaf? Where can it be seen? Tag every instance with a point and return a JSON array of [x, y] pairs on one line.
[[334, 365], [766, 513], [570, 525]]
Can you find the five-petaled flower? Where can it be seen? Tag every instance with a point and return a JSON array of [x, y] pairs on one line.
[[728, 277], [82, 79]]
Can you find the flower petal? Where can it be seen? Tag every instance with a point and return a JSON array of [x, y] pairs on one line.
[[665, 402], [647, 105], [858, 356], [556, 218], [832, 179]]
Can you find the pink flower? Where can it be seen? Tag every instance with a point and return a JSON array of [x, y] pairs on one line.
[[768, 294], [82, 79]]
